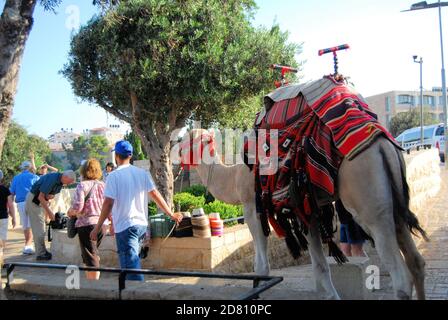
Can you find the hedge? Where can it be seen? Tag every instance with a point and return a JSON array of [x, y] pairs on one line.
[[199, 190], [187, 201], [226, 211]]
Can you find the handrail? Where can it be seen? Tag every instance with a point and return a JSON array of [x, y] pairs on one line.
[[269, 281]]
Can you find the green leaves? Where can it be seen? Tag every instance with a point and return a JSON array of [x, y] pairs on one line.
[[201, 53], [84, 148], [18, 147], [410, 119]]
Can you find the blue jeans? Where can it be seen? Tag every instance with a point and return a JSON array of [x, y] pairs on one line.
[[128, 245]]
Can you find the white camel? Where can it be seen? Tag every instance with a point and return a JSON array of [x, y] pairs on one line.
[[379, 202]]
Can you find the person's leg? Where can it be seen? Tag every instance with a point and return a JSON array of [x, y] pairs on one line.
[[26, 226], [356, 241], [89, 250], [3, 234], [343, 243], [357, 250], [128, 249], [37, 220]]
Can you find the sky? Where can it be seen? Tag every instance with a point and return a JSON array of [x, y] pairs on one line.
[[382, 42]]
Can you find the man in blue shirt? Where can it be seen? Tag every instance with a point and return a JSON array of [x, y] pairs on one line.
[[20, 186], [37, 199]]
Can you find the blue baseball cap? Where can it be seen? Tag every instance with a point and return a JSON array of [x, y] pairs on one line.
[[124, 148]]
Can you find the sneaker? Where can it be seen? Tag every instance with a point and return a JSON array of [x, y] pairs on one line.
[[28, 250], [46, 256]]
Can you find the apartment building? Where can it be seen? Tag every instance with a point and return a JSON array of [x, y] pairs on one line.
[[386, 105]]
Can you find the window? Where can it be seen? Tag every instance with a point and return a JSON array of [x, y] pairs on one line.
[[429, 100], [387, 104], [427, 133], [388, 120], [412, 136], [440, 131], [440, 100], [405, 99]]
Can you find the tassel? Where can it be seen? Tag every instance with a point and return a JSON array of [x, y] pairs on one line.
[[294, 193], [291, 241], [299, 232], [336, 253]]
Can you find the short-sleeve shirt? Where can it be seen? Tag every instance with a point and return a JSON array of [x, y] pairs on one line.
[[129, 187], [4, 194], [21, 184], [48, 184], [90, 209]]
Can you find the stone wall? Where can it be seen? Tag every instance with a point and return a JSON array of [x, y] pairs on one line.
[[231, 253], [423, 176]]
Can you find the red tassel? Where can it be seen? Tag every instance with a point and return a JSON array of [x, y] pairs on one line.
[[307, 205]]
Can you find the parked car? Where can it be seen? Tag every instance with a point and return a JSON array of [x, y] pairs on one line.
[[433, 136]]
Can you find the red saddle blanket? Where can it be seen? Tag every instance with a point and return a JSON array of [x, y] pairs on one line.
[[312, 128]]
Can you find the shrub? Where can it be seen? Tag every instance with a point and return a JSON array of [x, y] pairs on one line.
[[152, 209], [200, 190], [226, 211], [187, 201]]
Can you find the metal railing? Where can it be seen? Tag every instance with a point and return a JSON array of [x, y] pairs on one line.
[[258, 287]]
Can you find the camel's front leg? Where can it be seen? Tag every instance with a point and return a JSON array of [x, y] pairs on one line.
[[261, 263], [320, 265]]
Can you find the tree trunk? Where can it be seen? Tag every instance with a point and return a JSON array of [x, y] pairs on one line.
[[155, 138], [16, 22], [161, 167]]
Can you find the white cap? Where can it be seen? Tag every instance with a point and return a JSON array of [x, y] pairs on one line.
[[25, 165]]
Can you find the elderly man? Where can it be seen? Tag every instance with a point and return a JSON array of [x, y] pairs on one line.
[[20, 186], [37, 199]]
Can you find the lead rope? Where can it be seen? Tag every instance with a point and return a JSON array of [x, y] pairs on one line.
[[209, 178]]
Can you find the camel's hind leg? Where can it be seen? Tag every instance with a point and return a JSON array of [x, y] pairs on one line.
[[365, 190], [320, 265], [413, 258], [261, 263]]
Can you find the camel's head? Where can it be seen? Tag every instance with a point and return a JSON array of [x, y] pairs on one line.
[[196, 145]]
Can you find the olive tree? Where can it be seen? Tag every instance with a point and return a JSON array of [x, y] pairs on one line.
[[157, 63]]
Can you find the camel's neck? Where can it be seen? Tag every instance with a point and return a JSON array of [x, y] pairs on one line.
[[208, 165], [219, 179]]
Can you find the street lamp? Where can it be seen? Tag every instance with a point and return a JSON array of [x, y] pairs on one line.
[[425, 5], [421, 97]]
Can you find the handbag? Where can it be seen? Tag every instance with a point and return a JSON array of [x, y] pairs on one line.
[[71, 223]]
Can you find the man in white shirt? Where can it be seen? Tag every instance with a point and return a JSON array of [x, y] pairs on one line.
[[126, 197]]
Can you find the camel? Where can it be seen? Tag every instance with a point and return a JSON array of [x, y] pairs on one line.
[[379, 202]]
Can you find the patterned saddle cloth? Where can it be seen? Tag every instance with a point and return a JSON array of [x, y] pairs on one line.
[[310, 129]]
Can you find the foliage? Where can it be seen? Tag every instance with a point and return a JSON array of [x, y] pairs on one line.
[[410, 119], [139, 154], [187, 201], [84, 148], [226, 211], [18, 147], [200, 190], [155, 64], [152, 208]]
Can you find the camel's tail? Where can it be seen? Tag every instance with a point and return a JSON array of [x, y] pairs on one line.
[[400, 190]]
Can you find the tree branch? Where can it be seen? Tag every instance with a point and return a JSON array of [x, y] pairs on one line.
[[114, 112]]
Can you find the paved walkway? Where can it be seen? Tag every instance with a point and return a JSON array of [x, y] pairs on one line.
[[435, 252]]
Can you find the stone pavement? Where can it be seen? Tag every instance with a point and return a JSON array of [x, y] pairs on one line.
[[435, 252]]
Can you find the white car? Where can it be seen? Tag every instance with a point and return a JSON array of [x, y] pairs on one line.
[[433, 136]]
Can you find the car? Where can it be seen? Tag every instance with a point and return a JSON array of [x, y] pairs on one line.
[[433, 136]]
